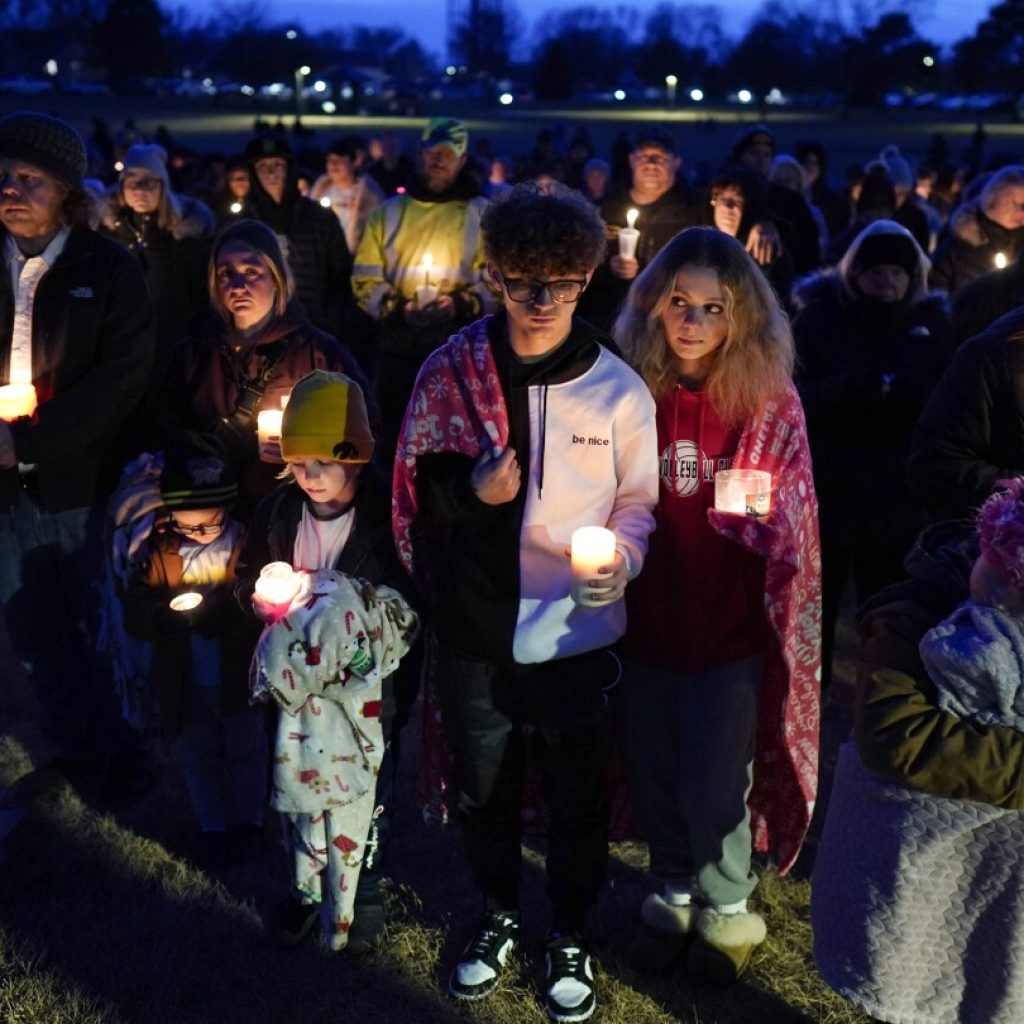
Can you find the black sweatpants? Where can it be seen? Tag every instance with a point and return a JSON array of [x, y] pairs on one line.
[[484, 707]]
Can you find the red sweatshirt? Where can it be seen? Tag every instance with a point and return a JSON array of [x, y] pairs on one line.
[[699, 602]]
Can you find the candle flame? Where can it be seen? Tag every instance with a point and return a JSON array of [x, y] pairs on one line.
[[631, 216], [236, 207], [1001, 261], [428, 261]]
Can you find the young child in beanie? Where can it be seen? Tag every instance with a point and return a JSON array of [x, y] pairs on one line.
[[975, 657], [332, 512], [200, 659]]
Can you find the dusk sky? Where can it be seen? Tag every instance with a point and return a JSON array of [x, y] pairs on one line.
[[943, 20]]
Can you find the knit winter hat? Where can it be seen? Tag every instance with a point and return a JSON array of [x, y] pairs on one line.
[[45, 142], [326, 418], [152, 159], [896, 167], [886, 250], [877, 194], [445, 131], [258, 236], [195, 474], [1001, 531], [265, 146]]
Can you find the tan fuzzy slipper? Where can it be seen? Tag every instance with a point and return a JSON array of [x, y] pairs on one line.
[[722, 946], [662, 935]]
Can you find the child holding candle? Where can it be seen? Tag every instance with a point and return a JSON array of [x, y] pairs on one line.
[[332, 512], [724, 622], [523, 428], [199, 667]]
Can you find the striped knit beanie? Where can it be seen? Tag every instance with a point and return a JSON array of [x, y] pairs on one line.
[[195, 474], [45, 142], [326, 418]]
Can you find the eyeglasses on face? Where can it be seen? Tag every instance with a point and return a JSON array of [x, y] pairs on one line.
[[200, 529], [519, 290], [729, 203], [141, 184]]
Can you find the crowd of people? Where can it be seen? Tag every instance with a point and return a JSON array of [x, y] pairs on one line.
[[313, 430]]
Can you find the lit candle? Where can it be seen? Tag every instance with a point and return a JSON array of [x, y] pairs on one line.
[[629, 236], [1001, 261], [325, 202], [278, 584], [186, 602], [743, 491], [268, 431], [428, 265], [593, 548], [17, 400]]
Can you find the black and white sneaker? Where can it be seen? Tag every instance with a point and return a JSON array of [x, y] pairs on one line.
[[478, 971], [570, 978]]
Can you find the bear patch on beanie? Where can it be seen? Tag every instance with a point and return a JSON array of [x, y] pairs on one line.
[[326, 418]]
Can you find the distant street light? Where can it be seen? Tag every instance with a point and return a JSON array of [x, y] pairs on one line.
[[928, 61], [744, 95], [696, 95], [300, 77], [619, 94], [671, 82], [291, 34]]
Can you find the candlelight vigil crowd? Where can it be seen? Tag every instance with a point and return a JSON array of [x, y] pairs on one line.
[[570, 461]]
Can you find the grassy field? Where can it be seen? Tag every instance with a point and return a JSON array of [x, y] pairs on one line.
[[103, 918]]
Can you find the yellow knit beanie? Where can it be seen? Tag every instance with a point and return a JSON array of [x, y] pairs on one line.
[[325, 418]]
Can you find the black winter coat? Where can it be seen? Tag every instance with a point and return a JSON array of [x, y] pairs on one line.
[[971, 432], [92, 348], [981, 303], [864, 371], [971, 248]]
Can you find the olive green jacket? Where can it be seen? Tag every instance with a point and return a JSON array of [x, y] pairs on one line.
[[900, 732]]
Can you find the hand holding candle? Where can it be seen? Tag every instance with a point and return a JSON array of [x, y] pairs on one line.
[[592, 549], [278, 585], [743, 491]]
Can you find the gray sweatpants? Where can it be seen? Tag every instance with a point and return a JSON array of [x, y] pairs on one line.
[[690, 755]]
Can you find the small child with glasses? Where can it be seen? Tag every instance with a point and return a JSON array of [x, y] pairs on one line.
[[181, 600]]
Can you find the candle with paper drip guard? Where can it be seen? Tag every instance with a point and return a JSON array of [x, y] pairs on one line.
[[592, 548], [268, 430], [187, 602], [426, 293], [629, 236], [278, 585], [743, 491], [17, 400]]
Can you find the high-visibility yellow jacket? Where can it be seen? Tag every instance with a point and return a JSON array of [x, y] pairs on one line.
[[390, 261]]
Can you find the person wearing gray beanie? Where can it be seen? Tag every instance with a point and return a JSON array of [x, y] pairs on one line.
[[76, 335]]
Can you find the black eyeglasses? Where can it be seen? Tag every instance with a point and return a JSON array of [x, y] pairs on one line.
[[200, 530], [527, 291]]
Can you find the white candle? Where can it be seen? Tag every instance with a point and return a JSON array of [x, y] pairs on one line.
[[743, 491], [278, 584], [428, 265], [593, 548], [17, 400], [268, 430], [628, 237], [186, 602], [426, 294]]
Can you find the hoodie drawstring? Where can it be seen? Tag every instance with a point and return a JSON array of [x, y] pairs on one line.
[[543, 437]]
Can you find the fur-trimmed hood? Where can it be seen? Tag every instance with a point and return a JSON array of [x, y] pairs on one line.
[[190, 217], [919, 279], [827, 285], [970, 225]]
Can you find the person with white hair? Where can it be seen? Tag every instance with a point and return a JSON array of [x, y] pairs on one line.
[[985, 233]]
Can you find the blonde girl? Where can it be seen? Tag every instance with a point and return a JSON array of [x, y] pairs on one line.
[[721, 693]]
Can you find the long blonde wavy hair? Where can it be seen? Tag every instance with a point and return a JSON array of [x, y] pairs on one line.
[[755, 362]]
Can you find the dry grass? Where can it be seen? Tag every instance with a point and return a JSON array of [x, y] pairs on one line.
[[104, 920]]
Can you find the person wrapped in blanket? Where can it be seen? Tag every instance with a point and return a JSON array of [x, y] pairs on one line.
[[918, 891], [178, 600], [326, 658]]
